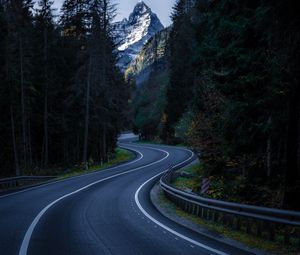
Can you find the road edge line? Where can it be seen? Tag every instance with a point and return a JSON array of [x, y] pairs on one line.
[[26, 240], [166, 227]]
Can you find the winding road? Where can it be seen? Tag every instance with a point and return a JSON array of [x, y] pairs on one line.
[[105, 212]]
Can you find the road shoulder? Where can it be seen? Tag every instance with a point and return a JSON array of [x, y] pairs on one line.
[[169, 210]]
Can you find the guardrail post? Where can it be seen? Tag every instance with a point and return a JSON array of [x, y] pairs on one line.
[[231, 221], [194, 209], [205, 213], [224, 220], [298, 238], [211, 215], [182, 204], [208, 214], [286, 235], [174, 199], [271, 232], [179, 203], [198, 210], [185, 206], [248, 227], [259, 228], [215, 216], [238, 223]]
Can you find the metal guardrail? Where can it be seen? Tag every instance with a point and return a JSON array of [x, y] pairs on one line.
[[274, 224], [22, 181]]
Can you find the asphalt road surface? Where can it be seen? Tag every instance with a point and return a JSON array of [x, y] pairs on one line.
[[106, 212]]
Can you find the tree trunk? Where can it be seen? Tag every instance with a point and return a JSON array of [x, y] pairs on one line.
[[78, 147], [12, 119], [87, 112], [23, 105], [269, 150], [18, 171], [29, 144], [64, 139], [292, 190], [104, 148], [46, 142]]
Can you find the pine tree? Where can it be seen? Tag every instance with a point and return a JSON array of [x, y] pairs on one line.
[[181, 45], [19, 17], [75, 17], [101, 94], [45, 27]]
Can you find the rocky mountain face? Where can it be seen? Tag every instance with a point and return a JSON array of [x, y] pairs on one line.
[[134, 32], [152, 54]]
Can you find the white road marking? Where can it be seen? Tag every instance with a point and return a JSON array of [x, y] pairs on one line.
[[25, 243], [210, 249]]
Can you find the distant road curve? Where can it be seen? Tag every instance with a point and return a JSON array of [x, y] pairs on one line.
[[106, 212]]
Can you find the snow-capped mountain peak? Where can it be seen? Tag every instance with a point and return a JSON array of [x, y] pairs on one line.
[[135, 31], [140, 9]]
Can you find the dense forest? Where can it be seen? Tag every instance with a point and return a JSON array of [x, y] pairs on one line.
[[227, 86], [232, 93], [62, 99]]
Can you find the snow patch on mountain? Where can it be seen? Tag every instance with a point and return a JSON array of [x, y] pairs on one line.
[[134, 32]]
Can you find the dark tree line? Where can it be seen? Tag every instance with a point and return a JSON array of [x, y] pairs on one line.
[[149, 97], [62, 100], [233, 94], [234, 88]]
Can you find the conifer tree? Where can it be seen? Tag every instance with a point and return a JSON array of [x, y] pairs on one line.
[[45, 27]]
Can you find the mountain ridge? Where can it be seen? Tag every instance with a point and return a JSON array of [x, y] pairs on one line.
[[153, 52], [134, 32]]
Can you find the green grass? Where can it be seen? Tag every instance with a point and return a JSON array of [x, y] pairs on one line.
[[121, 156], [193, 181], [251, 241]]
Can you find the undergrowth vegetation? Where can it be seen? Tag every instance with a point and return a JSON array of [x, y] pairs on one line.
[[229, 187], [223, 231], [121, 156]]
